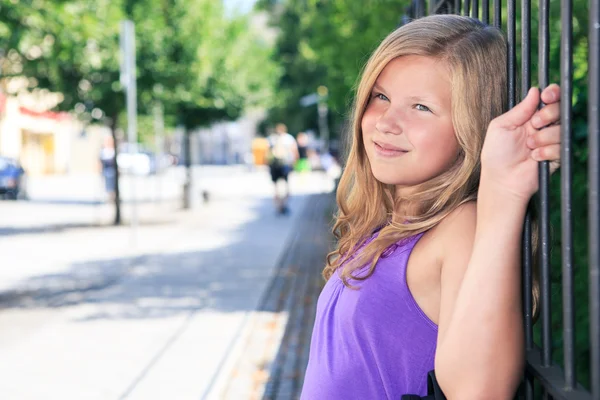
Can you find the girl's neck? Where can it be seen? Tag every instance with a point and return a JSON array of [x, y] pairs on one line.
[[403, 212], [405, 208]]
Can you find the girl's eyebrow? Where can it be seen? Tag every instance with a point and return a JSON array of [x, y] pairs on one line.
[[431, 100], [376, 86], [379, 88]]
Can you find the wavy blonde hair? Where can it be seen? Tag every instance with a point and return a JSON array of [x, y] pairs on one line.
[[475, 55]]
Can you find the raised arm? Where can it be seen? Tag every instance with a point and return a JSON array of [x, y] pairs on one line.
[[480, 342]]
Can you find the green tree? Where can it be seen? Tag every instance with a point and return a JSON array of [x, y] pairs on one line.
[[199, 64], [69, 47], [326, 43]]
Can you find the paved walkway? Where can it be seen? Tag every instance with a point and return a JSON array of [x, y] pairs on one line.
[[87, 317], [285, 316]]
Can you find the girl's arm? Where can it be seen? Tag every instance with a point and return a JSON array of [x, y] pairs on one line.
[[480, 351], [480, 341]]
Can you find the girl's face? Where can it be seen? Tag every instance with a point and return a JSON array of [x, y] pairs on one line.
[[407, 126]]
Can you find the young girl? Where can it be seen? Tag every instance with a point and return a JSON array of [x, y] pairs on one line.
[[427, 269]]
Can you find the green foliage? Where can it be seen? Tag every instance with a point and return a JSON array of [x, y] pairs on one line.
[[325, 43], [580, 255], [202, 65], [579, 188]]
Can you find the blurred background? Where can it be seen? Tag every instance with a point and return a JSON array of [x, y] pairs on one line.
[[141, 254]]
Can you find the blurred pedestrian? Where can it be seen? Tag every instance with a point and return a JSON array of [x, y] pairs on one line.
[[302, 164], [108, 166], [283, 153]]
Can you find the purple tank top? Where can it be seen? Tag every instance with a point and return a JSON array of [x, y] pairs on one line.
[[372, 343]]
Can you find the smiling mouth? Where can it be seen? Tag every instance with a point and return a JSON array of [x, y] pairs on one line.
[[388, 151]]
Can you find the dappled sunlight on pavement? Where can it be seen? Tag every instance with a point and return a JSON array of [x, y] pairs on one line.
[[170, 313]]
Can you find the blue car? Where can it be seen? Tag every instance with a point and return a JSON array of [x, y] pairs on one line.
[[12, 177]]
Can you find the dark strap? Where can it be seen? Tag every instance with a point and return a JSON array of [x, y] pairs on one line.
[[433, 387], [434, 392]]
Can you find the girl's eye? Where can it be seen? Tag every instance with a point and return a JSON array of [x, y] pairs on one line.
[[421, 107], [380, 97]]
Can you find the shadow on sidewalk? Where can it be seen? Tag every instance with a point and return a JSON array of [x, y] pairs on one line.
[[58, 228], [226, 277]]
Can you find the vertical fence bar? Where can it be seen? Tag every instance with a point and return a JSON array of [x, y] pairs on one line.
[[485, 11], [566, 174], [418, 4], [527, 246], [457, 4], [467, 9], [511, 35], [594, 192], [544, 49], [528, 282], [475, 13], [528, 386], [497, 13], [527, 229]]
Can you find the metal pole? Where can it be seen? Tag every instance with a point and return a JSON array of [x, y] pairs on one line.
[[323, 111], [512, 52], [498, 14], [159, 129], [128, 80], [457, 6], [594, 193], [527, 239], [527, 245], [419, 9], [566, 173], [485, 11], [544, 174]]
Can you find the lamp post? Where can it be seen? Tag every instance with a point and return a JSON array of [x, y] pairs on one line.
[[323, 111], [320, 99]]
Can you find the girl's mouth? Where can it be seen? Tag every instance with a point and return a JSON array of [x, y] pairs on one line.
[[387, 151]]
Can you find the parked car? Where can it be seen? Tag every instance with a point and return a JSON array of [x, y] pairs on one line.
[[12, 178], [135, 160]]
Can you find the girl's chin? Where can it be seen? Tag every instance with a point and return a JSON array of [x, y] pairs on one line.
[[395, 180], [390, 180]]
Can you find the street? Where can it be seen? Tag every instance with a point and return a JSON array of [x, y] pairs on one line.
[[158, 311]]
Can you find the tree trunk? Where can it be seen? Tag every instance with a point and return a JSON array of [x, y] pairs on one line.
[[117, 197]]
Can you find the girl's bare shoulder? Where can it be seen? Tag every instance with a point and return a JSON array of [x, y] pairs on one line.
[[453, 236]]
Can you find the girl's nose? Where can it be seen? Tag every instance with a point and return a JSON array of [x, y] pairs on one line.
[[389, 122]]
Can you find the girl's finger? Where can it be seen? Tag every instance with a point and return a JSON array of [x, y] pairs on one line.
[[546, 153], [554, 165], [547, 115], [551, 94], [544, 137], [521, 113]]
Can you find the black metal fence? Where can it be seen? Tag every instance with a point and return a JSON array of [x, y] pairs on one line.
[[554, 381]]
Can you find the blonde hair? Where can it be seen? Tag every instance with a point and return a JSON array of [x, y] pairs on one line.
[[475, 55]]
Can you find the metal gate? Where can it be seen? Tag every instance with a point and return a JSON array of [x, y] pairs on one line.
[[554, 381]]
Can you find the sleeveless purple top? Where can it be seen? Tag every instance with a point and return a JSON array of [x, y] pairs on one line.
[[374, 342]]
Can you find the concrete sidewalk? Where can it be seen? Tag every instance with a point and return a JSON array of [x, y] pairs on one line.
[[86, 317]]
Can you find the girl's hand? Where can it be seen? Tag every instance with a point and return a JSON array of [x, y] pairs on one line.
[[518, 139]]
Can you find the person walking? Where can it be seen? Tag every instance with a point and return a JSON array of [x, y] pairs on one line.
[[108, 166], [283, 153]]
